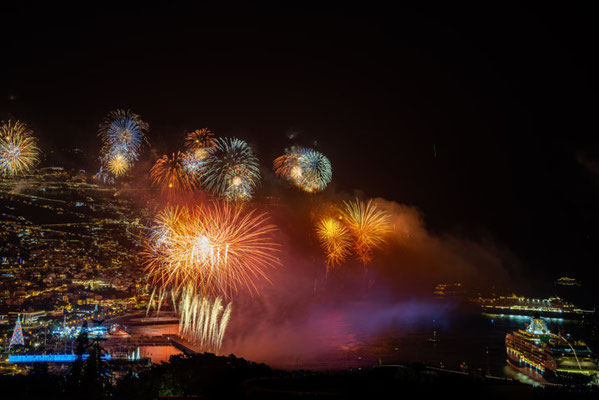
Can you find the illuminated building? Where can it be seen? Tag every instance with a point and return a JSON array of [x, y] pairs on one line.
[[48, 358], [27, 318]]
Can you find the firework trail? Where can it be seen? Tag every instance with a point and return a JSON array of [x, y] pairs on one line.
[[170, 175], [104, 176], [217, 248], [334, 239], [367, 225], [203, 321], [123, 134], [232, 170], [306, 168], [19, 151]]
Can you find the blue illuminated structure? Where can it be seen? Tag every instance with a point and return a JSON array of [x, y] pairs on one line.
[[71, 331], [49, 358], [17, 335]]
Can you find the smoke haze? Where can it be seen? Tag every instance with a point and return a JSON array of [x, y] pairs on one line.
[[306, 317]]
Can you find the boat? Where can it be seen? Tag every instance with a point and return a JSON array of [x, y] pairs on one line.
[[453, 290], [565, 281], [433, 339], [553, 307], [545, 356]]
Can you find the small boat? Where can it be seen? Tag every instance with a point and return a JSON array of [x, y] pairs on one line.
[[433, 339]]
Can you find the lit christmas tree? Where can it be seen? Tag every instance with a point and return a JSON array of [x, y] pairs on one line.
[[17, 335]]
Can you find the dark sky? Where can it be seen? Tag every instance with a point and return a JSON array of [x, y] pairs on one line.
[[485, 119]]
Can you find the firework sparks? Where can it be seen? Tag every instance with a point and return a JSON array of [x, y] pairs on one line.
[[232, 170], [197, 144], [19, 151], [117, 164], [306, 168], [169, 174], [200, 139], [123, 133], [104, 176], [367, 225], [334, 239], [202, 321], [216, 247]]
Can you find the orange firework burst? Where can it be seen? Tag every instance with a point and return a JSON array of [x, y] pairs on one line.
[[367, 225], [216, 248], [334, 239], [200, 139], [169, 174]]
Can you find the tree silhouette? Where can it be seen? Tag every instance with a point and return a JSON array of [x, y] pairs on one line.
[[75, 374], [96, 372], [89, 377]]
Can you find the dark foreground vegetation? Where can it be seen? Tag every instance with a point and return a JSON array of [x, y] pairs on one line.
[[207, 376]]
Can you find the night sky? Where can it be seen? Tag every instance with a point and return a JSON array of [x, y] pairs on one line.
[[484, 119]]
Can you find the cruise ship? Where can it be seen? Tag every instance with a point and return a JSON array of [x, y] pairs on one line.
[[545, 356], [565, 281], [553, 307]]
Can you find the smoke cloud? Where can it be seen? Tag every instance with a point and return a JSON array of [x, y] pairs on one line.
[[306, 318]]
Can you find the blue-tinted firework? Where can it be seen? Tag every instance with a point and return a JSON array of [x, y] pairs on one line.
[[104, 176], [123, 134], [306, 168], [231, 170]]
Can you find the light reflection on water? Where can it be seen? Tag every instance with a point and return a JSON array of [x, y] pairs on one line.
[[158, 354], [512, 373], [473, 340]]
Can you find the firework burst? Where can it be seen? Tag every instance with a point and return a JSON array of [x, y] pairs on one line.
[[19, 151], [306, 168], [117, 164], [217, 248], [197, 145], [200, 139], [125, 131], [123, 134], [170, 175], [232, 170], [334, 239], [367, 225]]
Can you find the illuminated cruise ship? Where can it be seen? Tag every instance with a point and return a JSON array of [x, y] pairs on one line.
[[543, 355], [553, 307]]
